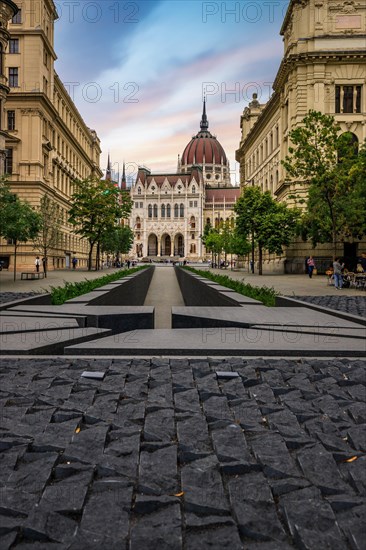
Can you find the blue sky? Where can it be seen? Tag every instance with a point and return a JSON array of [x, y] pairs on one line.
[[137, 71]]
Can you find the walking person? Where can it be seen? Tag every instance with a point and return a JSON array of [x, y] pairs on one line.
[[337, 269], [311, 266], [74, 263], [37, 264]]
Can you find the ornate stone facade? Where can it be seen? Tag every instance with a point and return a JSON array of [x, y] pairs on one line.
[[170, 210], [48, 144], [8, 10], [323, 68]]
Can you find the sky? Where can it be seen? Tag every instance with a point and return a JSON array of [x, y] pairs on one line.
[[138, 70]]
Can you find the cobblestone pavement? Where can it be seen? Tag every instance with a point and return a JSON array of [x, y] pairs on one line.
[[350, 304], [163, 454]]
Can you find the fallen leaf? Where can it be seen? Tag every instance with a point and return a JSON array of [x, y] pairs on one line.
[[179, 494], [352, 459], [77, 430]]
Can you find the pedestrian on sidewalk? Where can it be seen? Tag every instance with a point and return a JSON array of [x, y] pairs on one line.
[[74, 262], [338, 278], [311, 266], [37, 264]]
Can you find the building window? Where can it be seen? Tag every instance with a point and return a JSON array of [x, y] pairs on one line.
[[13, 77], [176, 211], [193, 189], [17, 19], [155, 210], [138, 223], [193, 222], [11, 120], [348, 99], [168, 210], [141, 204], [190, 204], [139, 191], [149, 211], [163, 210], [136, 204], [195, 204], [8, 161], [14, 45], [181, 210]]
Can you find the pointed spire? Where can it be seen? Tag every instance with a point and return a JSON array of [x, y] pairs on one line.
[[123, 180], [108, 174], [179, 165], [204, 121]]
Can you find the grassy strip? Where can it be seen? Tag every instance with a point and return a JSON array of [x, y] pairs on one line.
[[264, 294], [60, 294]]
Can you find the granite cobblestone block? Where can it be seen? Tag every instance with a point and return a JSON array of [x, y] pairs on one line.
[[161, 453]]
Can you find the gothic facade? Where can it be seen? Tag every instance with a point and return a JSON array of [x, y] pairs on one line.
[[323, 69], [170, 210]]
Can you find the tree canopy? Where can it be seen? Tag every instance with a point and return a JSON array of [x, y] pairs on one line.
[[18, 222], [96, 208], [269, 224], [335, 172]]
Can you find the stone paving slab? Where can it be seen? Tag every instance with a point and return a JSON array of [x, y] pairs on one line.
[[161, 454], [222, 341], [112, 317], [46, 341], [248, 315], [20, 324]]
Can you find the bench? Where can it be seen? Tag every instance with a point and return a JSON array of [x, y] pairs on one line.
[[31, 275]]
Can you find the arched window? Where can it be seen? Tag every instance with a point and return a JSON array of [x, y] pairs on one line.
[[194, 189], [176, 211], [347, 146], [139, 191], [168, 210], [208, 221], [193, 222], [149, 211], [1, 59], [271, 181], [181, 210], [138, 223], [277, 179], [155, 210], [163, 210]]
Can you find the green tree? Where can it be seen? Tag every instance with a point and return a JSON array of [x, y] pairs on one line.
[[328, 165], [19, 222], [119, 241], [269, 225], [50, 223], [96, 208]]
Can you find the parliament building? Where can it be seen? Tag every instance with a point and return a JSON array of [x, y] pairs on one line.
[[170, 211]]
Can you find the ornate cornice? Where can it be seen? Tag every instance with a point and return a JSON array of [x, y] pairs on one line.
[[312, 57]]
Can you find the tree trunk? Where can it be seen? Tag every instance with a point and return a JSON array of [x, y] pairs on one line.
[[15, 260], [97, 267], [260, 257], [91, 246], [334, 239]]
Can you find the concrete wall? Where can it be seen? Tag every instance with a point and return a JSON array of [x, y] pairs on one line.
[[197, 292], [131, 292]]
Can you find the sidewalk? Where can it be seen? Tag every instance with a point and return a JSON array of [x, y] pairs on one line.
[[54, 278], [290, 285], [163, 293]]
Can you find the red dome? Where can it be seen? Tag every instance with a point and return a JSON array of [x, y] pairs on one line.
[[204, 148]]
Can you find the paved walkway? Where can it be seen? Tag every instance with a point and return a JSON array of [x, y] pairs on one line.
[[290, 285], [54, 278], [163, 294]]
